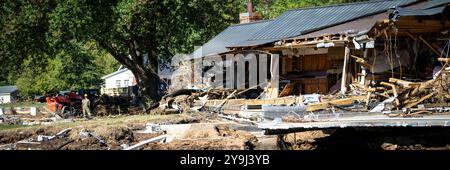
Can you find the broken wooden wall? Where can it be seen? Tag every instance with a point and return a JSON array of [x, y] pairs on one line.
[[319, 62]]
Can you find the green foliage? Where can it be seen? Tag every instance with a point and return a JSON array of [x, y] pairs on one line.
[[22, 26], [164, 27], [159, 29], [71, 69], [35, 62], [51, 45]]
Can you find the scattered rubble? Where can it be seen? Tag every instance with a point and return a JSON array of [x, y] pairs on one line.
[[160, 135]]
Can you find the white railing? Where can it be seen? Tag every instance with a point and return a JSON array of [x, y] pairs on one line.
[[121, 91]]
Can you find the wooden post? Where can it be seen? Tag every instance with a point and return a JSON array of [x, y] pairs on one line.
[[344, 71], [274, 71], [192, 83], [363, 69]]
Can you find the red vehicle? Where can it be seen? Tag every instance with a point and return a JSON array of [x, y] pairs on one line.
[[68, 104]]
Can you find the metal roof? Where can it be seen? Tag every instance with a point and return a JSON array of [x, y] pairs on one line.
[[7, 89], [352, 27], [358, 26], [434, 3], [421, 12], [230, 36], [302, 21]]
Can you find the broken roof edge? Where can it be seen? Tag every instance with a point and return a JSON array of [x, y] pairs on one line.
[[267, 41], [434, 3], [382, 24], [399, 11], [354, 19]]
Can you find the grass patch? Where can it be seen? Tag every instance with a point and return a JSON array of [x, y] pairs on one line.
[[23, 104], [4, 126], [102, 122]]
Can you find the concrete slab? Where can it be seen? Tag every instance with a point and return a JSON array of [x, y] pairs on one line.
[[356, 122]]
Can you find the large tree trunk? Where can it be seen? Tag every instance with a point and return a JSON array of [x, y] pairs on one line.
[[149, 85], [147, 78]]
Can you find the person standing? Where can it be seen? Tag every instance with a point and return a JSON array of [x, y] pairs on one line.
[[86, 104]]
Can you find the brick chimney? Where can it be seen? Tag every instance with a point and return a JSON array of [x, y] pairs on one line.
[[249, 16], [250, 8]]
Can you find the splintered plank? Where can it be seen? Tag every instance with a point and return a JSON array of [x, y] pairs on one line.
[[338, 102], [420, 100]]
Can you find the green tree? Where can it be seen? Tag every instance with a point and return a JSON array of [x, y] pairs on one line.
[[131, 29], [71, 69], [44, 41], [22, 33], [64, 44]]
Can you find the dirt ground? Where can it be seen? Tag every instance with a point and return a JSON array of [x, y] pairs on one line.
[[207, 133], [213, 137], [117, 132]]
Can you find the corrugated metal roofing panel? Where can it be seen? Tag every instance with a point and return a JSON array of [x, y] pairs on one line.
[[301, 21], [421, 12], [355, 26], [434, 3], [232, 35], [359, 26]]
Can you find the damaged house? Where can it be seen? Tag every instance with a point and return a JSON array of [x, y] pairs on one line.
[[374, 57], [312, 44]]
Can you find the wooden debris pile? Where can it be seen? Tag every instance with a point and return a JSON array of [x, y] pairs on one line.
[[186, 100], [408, 98]]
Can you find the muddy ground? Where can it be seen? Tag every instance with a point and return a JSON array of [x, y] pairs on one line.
[[204, 132], [116, 134]]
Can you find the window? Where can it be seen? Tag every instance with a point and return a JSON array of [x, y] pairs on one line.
[[126, 83], [117, 83]]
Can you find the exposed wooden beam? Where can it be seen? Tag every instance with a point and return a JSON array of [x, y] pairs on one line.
[[425, 42], [344, 71], [444, 59], [394, 90], [420, 100], [430, 46]]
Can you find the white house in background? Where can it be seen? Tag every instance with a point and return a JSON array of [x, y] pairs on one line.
[[124, 78], [8, 94], [119, 79]]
